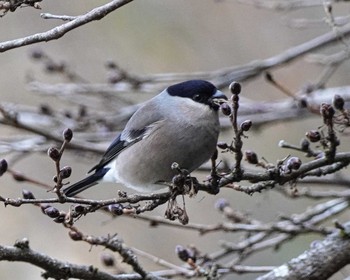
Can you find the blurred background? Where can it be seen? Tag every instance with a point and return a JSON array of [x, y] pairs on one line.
[[148, 37]]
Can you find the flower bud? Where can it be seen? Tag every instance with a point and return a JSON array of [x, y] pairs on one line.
[[235, 88], [327, 112], [75, 235], [18, 177], [225, 109], [338, 102], [27, 194], [293, 163], [65, 172], [184, 254], [54, 178], [43, 207], [251, 157], [304, 145], [3, 166], [221, 204], [313, 136], [246, 125], [60, 218], [108, 259], [54, 153], [222, 145], [111, 64], [79, 209], [68, 134], [116, 209], [37, 54], [52, 212]]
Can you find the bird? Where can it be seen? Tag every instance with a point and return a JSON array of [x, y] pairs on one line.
[[180, 124]]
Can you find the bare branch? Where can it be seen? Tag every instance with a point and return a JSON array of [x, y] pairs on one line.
[[315, 263], [55, 268], [57, 32]]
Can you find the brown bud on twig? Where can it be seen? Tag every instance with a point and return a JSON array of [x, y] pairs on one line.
[[54, 154], [60, 218], [313, 135], [225, 109], [338, 102], [235, 88], [184, 254], [45, 109], [221, 204], [293, 163], [111, 64], [79, 209], [44, 206], [37, 54], [304, 145], [246, 125], [222, 145], [108, 259], [65, 172], [68, 134], [116, 209], [251, 157], [27, 194], [18, 177], [55, 179], [75, 235], [327, 112], [3, 166], [52, 212]]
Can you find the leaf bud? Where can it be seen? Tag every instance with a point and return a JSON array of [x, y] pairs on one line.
[[251, 157], [3, 166], [222, 145], [44, 206], [304, 145], [313, 136], [68, 134], [221, 204], [75, 235], [184, 254], [52, 212], [293, 163], [327, 112], [235, 88], [116, 209], [54, 153], [79, 209], [60, 218], [246, 125], [225, 109], [338, 102], [27, 194], [108, 259], [65, 172]]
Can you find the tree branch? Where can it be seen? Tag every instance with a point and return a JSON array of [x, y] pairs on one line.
[[55, 268], [321, 261], [57, 32]]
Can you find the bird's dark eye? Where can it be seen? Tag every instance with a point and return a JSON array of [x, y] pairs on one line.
[[197, 98]]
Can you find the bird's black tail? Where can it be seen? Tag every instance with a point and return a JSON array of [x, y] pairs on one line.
[[86, 183]]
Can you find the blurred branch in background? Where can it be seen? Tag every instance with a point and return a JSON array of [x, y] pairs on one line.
[[243, 171]]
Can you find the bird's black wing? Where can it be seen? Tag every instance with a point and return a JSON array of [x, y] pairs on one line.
[[143, 123], [123, 141]]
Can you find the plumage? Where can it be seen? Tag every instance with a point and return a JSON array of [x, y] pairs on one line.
[[178, 125]]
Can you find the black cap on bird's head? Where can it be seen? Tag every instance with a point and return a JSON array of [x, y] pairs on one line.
[[199, 91]]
